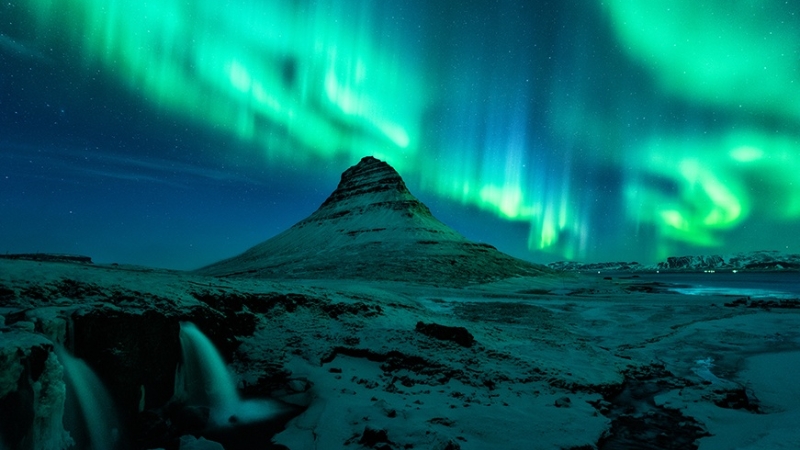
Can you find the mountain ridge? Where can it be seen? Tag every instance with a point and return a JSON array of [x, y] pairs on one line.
[[760, 260]]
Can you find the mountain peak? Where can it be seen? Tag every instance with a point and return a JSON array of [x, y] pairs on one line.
[[372, 227], [370, 173], [369, 165], [370, 177], [370, 184]]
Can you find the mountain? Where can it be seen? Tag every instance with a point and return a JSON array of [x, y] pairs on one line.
[[372, 227], [763, 260], [617, 266]]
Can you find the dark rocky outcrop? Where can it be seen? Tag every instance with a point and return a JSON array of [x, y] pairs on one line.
[[637, 422], [740, 398], [378, 439], [429, 372], [459, 335], [766, 304]]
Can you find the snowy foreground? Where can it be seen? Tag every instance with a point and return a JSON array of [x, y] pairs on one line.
[[555, 361]]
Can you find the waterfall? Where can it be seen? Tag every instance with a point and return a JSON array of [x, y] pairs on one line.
[[93, 400], [203, 379]]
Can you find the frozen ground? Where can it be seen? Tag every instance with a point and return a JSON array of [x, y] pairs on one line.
[[545, 362]]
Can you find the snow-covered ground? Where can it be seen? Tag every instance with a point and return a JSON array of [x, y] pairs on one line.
[[554, 361]]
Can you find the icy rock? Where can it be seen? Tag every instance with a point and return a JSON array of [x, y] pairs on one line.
[[32, 392], [299, 385], [563, 402], [24, 326], [190, 442], [49, 397], [51, 322], [448, 444]]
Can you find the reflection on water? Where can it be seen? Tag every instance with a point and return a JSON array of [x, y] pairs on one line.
[[774, 285], [741, 292]]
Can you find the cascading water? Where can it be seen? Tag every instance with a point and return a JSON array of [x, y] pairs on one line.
[[99, 422], [203, 379]]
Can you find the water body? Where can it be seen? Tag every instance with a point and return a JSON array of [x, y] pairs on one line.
[[773, 285]]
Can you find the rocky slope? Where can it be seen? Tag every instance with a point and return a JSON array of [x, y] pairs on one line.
[[371, 227]]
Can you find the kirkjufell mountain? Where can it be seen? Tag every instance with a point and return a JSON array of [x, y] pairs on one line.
[[372, 227]]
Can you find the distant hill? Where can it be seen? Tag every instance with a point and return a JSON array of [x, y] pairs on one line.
[[48, 257], [749, 261], [372, 227]]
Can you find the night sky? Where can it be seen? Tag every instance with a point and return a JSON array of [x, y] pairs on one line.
[[175, 133]]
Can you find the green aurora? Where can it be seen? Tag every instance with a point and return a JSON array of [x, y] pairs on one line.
[[692, 106]]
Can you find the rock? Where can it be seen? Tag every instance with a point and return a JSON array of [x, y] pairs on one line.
[[23, 325], [299, 385], [378, 439], [736, 399], [189, 442], [638, 421], [192, 419], [459, 335], [442, 421], [6, 295], [563, 402], [32, 391], [448, 444], [384, 406]]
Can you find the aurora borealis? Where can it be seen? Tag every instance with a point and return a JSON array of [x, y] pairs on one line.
[[610, 130]]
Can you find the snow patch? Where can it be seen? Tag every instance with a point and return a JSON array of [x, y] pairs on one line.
[[703, 370]]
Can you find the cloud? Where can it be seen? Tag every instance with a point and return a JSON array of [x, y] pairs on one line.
[[94, 163], [10, 45]]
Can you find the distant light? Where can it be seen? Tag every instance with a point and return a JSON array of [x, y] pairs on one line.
[[735, 271]]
